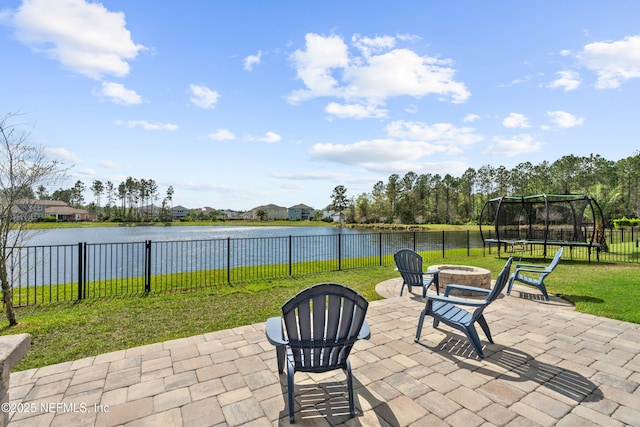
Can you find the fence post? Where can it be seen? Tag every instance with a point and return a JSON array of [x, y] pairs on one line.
[[442, 243], [340, 251], [290, 255], [414, 242], [380, 247], [228, 259], [147, 266], [80, 271], [468, 243]]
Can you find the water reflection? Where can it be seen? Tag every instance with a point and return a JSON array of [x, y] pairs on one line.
[[65, 236]]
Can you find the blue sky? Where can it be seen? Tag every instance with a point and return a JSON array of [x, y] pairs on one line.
[[237, 104]]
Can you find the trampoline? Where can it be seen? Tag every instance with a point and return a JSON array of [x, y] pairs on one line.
[[570, 220]]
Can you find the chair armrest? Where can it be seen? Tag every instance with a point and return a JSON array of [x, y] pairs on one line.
[[433, 272], [365, 332], [530, 270], [456, 301], [454, 287], [530, 266], [274, 331]]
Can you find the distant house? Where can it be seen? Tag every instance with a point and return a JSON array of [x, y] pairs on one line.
[[229, 214], [28, 210], [69, 214], [271, 212], [300, 212], [205, 213], [33, 210], [151, 210], [335, 216], [179, 212]]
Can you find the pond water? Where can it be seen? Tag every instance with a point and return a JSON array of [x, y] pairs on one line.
[[65, 236]]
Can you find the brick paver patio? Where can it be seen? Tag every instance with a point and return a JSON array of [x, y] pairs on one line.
[[549, 366]]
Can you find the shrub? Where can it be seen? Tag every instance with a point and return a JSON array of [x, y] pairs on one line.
[[626, 222]]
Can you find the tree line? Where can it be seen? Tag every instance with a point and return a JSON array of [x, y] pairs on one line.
[[432, 198], [131, 200]]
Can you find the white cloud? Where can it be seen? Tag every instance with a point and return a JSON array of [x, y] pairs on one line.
[[471, 118], [516, 145], [357, 111], [402, 72], [379, 71], [252, 60], [87, 172], [109, 164], [222, 135], [377, 151], [147, 125], [292, 186], [61, 154], [270, 138], [203, 97], [310, 176], [389, 156], [369, 46], [314, 66], [412, 109], [567, 80], [407, 147], [119, 94], [515, 82], [516, 120], [564, 119], [438, 133], [614, 62], [83, 36]]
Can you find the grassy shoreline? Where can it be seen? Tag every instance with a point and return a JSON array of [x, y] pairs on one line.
[[232, 223]]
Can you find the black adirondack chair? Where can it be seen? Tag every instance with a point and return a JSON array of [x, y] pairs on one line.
[[409, 264], [321, 325], [450, 311]]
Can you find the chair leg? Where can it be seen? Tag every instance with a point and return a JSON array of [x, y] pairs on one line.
[[474, 339], [485, 327], [402, 288], [281, 351], [543, 289], [511, 279], [352, 406], [420, 322], [290, 391]]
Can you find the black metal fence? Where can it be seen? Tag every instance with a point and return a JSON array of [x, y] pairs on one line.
[[41, 274]]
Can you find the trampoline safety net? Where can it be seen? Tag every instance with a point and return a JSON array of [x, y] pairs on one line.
[[542, 217]]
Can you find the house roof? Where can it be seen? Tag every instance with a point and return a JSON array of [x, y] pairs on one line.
[[64, 210], [269, 206], [46, 203], [301, 206]]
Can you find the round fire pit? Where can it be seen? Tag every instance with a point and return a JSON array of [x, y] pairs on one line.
[[463, 275]]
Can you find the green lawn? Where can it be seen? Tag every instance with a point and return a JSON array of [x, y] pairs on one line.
[[73, 330]]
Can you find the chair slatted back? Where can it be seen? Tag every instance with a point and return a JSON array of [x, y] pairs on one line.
[[501, 281], [409, 264], [555, 260], [498, 287], [322, 324]]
